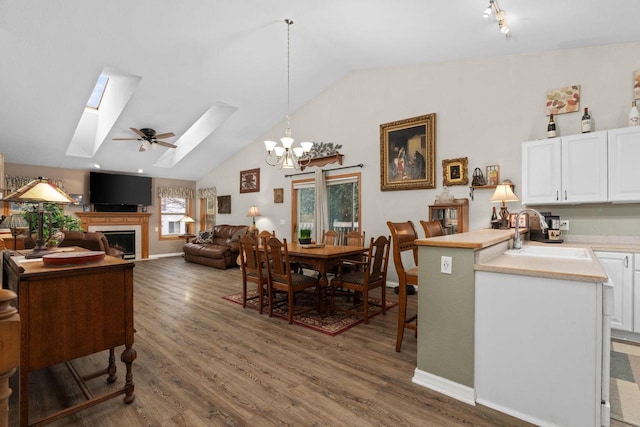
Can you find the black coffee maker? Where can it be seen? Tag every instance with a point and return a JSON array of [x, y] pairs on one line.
[[549, 235]]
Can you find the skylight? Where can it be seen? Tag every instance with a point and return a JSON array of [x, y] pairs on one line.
[[98, 92]]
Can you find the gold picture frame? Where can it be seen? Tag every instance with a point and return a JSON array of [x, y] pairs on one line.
[[250, 181], [278, 195], [407, 153], [455, 171]]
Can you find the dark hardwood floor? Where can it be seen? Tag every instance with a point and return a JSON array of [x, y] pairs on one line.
[[204, 361]]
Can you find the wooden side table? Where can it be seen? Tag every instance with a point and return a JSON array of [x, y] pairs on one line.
[[187, 237]]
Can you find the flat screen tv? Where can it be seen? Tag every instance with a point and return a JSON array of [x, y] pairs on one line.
[[115, 189]]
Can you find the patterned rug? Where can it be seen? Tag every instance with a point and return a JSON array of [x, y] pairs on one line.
[[625, 383], [331, 324]]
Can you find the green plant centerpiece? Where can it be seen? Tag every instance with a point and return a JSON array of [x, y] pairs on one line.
[[55, 222], [305, 236]]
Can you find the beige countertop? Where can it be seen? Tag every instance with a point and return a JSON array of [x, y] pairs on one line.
[[555, 268], [477, 239]]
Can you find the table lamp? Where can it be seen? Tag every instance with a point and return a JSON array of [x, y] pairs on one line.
[[17, 224], [39, 191], [187, 223], [504, 194], [253, 213]]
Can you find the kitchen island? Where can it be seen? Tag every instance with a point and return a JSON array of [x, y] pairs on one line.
[[491, 330]]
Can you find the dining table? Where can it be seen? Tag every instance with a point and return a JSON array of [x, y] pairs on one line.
[[322, 258]]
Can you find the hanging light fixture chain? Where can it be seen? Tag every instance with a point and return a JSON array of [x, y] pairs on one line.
[[289, 23]]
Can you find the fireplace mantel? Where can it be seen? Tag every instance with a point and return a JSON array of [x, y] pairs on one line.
[[119, 218]]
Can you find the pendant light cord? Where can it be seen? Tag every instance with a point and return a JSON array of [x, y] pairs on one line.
[[289, 23]]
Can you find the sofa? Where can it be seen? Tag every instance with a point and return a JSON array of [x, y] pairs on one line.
[[93, 241], [218, 247]]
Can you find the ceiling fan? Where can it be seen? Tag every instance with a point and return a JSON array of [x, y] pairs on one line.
[[149, 138]]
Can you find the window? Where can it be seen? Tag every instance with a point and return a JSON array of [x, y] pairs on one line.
[[343, 200], [98, 92], [172, 210]]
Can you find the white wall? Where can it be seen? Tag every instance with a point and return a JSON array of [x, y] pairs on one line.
[[485, 108]]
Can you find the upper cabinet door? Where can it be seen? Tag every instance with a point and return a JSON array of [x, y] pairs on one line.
[[584, 168], [541, 171], [624, 164]]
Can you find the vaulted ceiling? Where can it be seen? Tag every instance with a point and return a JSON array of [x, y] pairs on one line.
[[222, 65]]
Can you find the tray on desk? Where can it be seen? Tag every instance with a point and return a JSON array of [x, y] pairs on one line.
[[82, 257]]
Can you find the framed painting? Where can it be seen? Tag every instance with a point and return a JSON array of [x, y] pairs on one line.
[[224, 204], [563, 100], [250, 181], [278, 195], [407, 153], [524, 220], [455, 172]]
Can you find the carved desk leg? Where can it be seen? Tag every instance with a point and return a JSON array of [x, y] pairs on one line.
[[128, 356], [9, 349]]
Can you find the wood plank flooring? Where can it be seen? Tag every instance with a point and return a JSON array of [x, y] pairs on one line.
[[204, 361]]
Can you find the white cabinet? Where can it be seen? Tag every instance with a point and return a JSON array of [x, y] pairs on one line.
[[636, 293], [619, 268], [571, 169], [624, 173]]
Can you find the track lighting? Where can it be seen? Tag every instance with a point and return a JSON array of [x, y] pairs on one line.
[[499, 14]]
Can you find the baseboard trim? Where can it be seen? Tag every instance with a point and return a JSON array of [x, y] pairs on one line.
[[452, 389]]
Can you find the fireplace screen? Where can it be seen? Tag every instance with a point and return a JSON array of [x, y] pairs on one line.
[[124, 240]]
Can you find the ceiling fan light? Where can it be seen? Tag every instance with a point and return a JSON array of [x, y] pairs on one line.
[[487, 12]]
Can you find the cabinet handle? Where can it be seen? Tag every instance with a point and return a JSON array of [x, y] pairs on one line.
[[626, 261], [565, 194], [557, 195]]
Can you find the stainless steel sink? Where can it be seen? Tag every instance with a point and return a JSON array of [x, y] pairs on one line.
[[551, 252]]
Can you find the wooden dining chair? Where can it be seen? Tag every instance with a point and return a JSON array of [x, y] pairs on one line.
[[403, 237], [372, 274], [331, 238], [253, 269], [432, 228], [281, 278], [355, 238]]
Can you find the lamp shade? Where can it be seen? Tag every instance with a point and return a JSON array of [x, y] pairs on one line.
[[253, 211], [187, 219], [504, 193], [39, 190], [14, 222]]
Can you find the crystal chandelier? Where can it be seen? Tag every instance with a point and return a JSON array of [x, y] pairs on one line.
[[285, 156]]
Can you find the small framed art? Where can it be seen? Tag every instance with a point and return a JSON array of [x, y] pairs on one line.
[[454, 171], [250, 181]]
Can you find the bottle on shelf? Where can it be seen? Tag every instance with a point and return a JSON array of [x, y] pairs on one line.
[[586, 121], [634, 115], [551, 127]]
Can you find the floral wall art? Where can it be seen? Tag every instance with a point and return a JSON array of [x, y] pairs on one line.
[[563, 100]]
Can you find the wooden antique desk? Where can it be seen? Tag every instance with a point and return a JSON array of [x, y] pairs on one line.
[[70, 311], [322, 259]]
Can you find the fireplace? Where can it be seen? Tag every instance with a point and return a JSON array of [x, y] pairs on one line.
[[124, 240]]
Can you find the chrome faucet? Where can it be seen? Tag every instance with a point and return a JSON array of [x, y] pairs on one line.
[[517, 242]]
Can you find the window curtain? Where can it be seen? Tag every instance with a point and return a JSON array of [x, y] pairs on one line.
[[185, 193], [322, 210], [207, 193], [13, 183]]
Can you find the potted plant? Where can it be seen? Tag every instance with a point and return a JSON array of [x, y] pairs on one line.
[[305, 236], [55, 219]]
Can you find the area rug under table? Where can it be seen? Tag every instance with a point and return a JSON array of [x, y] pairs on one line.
[[331, 324], [625, 383]]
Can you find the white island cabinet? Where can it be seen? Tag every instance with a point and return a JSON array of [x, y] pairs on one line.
[[542, 349]]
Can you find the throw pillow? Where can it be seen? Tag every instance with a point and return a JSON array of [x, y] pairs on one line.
[[238, 235], [205, 236]]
